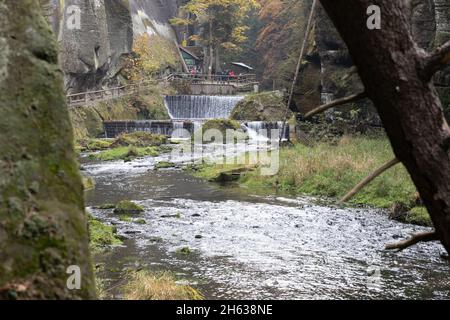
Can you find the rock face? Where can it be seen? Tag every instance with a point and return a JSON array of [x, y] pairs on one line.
[[265, 106], [91, 56], [43, 227], [430, 25]]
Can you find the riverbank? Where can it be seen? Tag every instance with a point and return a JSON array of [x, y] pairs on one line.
[[230, 244], [332, 169]]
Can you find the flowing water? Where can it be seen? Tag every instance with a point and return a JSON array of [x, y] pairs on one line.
[[245, 245], [201, 107]]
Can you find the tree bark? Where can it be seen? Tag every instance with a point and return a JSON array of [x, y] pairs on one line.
[[211, 50], [391, 67]]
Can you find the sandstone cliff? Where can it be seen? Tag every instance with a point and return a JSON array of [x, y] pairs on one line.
[[430, 27], [92, 56]]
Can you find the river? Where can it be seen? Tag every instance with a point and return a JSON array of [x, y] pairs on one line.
[[249, 246]]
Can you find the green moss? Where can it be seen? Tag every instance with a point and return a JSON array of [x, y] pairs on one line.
[[106, 206], [164, 165], [419, 216], [221, 173], [127, 207], [44, 227], [95, 144], [184, 251], [125, 218], [265, 106], [88, 183], [102, 235], [125, 153], [140, 221], [140, 139], [222, 126], [130, 219]]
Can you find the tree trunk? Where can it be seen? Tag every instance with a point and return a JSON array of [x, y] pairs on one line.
[[43, 228], [211, 50], [397, 78], [218, 67]]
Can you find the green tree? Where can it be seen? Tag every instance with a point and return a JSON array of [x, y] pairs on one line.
[[222, 24]]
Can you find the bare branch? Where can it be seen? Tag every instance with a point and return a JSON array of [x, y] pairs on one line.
[[420, 237], [335, 103], [436, 61], [369, 179], [299, 63]]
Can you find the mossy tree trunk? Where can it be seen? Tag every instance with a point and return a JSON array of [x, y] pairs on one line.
[[397, 76], [43, 228]]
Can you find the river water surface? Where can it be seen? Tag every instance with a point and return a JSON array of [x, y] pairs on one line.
[[247, 246]]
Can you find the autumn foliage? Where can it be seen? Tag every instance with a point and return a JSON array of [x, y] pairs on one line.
[[151, 55]]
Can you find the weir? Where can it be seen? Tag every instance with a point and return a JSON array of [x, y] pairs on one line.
[[201, 107], [188, 112], [116, 128]]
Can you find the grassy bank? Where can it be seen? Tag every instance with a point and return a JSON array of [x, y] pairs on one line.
[[331, 170]]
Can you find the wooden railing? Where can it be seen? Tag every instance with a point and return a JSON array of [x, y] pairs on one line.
[[90, 97], [85, 98], [245, 79]]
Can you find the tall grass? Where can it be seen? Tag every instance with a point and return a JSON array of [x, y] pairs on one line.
[[331, 170], [145, 285]]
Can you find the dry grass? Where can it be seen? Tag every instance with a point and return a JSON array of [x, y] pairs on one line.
[[145, 285]]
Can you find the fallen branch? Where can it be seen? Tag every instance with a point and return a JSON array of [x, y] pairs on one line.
[[369, 179], [436, 61], [420, 237], [336, 103]]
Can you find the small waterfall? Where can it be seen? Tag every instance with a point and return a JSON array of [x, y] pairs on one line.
[[262, 130], [201, 107]]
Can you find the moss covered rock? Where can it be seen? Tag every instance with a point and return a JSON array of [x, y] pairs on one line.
[[102, 235], [127, 207], [88, 183], [125, 153], [216, 129], [43, 226], [164, 165], [419, 216], [94, 144], [265, 106], [140, 139]]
